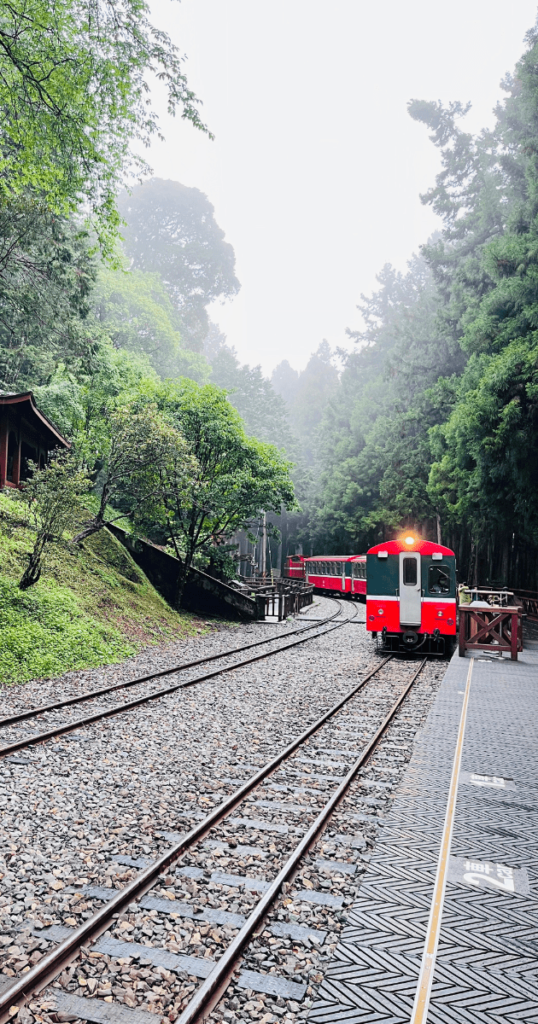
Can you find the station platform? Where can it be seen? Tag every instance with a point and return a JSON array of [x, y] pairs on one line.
[[485, 966]]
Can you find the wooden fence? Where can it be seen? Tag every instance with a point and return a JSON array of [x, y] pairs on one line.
[[490, 629]]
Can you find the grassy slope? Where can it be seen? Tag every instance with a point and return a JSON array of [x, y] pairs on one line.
[[92, 605]]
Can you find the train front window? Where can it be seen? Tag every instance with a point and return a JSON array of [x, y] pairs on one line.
[[438, 579], [410, 572]]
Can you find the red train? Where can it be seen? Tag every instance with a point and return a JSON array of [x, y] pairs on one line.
[[294, 567], [345, 574], [411, 598]]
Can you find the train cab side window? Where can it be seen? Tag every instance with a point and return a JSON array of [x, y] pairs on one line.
[[438, 579], [410, 572]]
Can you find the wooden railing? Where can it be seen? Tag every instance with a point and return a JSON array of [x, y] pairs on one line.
[[278, 598], [492, 629], [529, 600]]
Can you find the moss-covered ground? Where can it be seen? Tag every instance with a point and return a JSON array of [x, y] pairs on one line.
[[92, 606]]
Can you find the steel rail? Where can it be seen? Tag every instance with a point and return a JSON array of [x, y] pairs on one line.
[[118, 709], [22, 716], [53, 963], [213, 988]]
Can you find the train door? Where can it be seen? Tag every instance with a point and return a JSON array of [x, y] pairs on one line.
[[410, 589]]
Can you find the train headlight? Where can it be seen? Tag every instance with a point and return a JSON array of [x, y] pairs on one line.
[[380, 611], [409, 540], [439, 615]]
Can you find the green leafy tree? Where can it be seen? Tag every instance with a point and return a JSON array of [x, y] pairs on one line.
[[171, 230], [236, 478], [136, 312], [485, 453], [262, 410], [53, 496], [47, 272], [285, 381], [139, 448], [373, 449], [307, 394], [73, 94], [81, 403]]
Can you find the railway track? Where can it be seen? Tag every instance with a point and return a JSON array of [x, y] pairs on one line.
[[360, 720], [318, 628]]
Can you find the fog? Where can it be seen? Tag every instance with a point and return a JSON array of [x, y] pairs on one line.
[[316, 168]]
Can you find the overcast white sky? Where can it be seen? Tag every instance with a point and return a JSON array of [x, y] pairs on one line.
[[316, 169]]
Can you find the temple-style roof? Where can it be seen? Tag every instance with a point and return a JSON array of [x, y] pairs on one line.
[[27, 407]]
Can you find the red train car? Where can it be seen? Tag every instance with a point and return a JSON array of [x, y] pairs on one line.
[[345, 574], [411, 599], [294, 567]]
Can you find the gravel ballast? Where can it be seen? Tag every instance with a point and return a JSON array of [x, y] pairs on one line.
[[83, 814]]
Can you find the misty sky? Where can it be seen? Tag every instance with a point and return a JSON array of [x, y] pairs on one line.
[[316, 169]]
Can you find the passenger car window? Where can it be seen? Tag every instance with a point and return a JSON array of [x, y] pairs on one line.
[[438, 579], [410, 572]]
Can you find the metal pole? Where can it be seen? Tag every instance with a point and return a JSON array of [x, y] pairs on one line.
[[263, 565]]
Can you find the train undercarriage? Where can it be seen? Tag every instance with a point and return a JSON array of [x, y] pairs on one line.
[[411, 642]]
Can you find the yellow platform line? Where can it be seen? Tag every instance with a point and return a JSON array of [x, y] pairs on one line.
[[427, 967]]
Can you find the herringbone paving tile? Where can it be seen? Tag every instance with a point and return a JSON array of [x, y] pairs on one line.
[[487, 965]]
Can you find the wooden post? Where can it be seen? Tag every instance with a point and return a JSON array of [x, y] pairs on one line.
[[514, 635], [461, 637], [17, 465], [3, 451]]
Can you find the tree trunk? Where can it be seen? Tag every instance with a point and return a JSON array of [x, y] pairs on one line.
[[32, 572], [438, 525], [183, 572], [92, 527]]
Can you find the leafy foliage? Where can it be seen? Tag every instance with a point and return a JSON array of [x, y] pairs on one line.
[[53, 497], [171, 230], [136, 312], [138, 445], [262, 410], [73, 94], [235, 477], [46, 275], [434, 420]]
